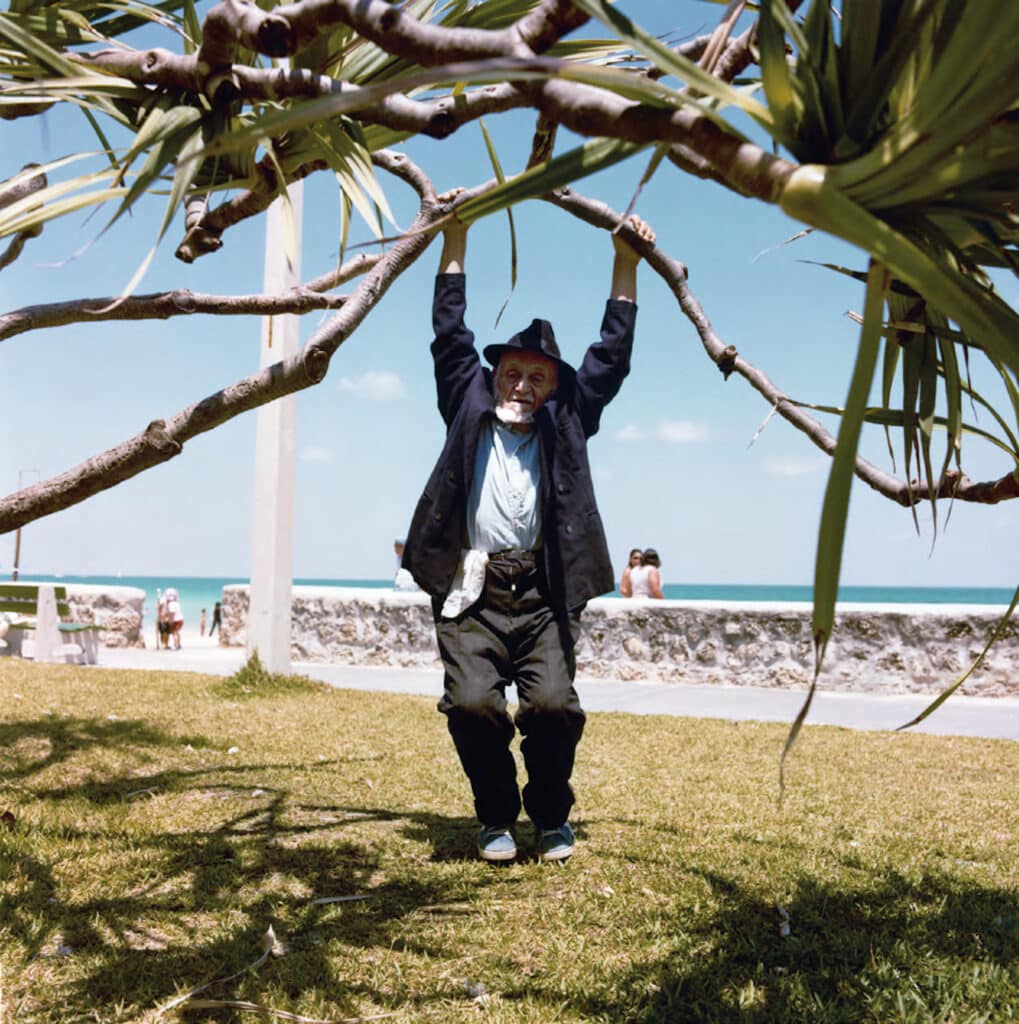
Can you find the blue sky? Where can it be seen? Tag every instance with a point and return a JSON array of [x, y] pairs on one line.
[[673, 464]]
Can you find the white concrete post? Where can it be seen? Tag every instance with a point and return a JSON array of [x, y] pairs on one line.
[[272, 521], [47, 626]]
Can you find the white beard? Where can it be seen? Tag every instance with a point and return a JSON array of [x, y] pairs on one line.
[[513, 417]]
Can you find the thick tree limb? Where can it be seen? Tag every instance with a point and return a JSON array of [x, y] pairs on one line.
[[742, 166], [303, 298], [435, 118], [285, 30], [426, 44]]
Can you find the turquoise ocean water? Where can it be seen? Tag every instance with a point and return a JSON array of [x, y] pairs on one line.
[[197, 593]]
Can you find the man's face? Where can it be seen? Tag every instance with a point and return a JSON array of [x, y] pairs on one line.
[[523, 381]]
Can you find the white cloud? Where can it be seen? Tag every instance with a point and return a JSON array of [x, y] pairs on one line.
[[681, 431], [313, 453], [788, 465], [631, 432], [375, 385]]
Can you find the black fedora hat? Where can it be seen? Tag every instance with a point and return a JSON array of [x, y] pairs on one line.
[[537, 338]]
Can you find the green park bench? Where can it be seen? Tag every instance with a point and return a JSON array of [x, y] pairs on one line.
[[39, 609]]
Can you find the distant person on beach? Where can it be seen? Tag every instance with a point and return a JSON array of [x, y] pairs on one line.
[[646, 578], [513, 481], [217, 620], [625, 586], [176, 616], [403, 579], [201, 623], [164, 622]]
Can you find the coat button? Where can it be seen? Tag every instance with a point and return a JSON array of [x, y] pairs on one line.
[[569, 529], [561, 488], [452, 477], [438, 517]]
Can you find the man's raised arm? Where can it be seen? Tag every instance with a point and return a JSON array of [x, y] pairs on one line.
[[454, 248], [457, 365], [624, 267]]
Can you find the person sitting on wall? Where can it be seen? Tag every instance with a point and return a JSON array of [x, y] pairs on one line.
[[508, 541]]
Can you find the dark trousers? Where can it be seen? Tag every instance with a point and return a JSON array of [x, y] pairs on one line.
[[512, 635]]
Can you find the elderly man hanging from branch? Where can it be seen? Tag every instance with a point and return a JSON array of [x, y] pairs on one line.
[[508, 541]]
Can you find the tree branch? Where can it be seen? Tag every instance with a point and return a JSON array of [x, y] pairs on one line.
[[740, 165], [22, 184], [164, 439], [422, 43], [203, 232], [285, 30], [674, 273], [17, 245], [303, 298]]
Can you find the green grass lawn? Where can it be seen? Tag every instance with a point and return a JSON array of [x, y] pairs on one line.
[[156, 824]]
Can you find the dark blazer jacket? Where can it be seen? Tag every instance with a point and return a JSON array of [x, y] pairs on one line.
[[576, 554]]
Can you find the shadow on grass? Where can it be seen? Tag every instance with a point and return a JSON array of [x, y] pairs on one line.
[[894, 948], [186, 905], [35, 745]]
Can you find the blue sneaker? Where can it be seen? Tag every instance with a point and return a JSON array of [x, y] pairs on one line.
[[556, 843], [496, 843]]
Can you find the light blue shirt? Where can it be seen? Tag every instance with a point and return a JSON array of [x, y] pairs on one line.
[[504, 508]]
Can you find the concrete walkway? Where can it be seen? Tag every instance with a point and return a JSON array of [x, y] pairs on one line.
[[992, 717]]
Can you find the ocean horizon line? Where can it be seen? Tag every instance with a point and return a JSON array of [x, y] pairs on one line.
[[174, 579], [198, 593]]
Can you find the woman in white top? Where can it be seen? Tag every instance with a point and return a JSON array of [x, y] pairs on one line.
[[646, 579], [625, 586]]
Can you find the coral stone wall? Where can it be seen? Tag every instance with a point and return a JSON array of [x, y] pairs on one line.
[[886, 648], [119, 609]]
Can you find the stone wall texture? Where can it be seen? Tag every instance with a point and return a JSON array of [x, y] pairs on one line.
[[119, 609], [877, 648]]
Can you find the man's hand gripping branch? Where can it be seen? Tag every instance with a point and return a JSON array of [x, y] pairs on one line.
[[624, 267], [454, 239]]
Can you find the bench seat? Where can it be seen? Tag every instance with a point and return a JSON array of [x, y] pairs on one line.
[[71, 642]]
